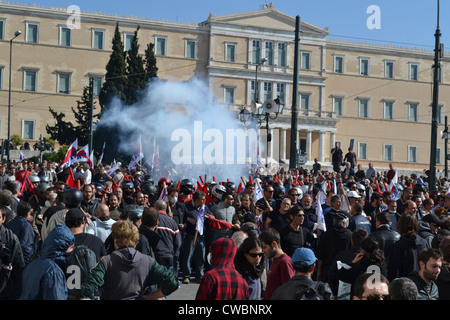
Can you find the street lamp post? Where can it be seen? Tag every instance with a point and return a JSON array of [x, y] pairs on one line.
[[263, 113], [16, 34]]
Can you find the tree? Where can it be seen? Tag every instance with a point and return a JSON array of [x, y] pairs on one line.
[[83, 116], [62, 131], [137, 78], [116, 69], [151, 70]]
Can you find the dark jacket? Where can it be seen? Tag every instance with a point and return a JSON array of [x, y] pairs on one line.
[[346, 257], [23, 229], [443, 282], [359, 221], [404, 256], [167, 250], [44, 278], [90, 207], [426, 291], [330, 243], [386, 238], [289, 290], [425, 232]]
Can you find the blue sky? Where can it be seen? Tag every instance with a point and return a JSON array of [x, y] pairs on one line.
[[411, 23]]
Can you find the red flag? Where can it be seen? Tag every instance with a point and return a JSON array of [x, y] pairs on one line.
[[219, 224], [276, 178], [201, 179], [295, 181], [378, 188], [250, 179], [78, 184], [178, 185], [239, 190], [214, 179], [70, 181], [199, 186]]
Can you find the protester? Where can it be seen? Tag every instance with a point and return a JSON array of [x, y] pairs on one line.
[[223, 281]]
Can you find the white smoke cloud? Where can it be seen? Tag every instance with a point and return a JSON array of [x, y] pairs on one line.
[[195, 134]]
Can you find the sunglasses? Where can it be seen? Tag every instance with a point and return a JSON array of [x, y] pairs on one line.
[[295, 195], [378, 297], [255, 254]]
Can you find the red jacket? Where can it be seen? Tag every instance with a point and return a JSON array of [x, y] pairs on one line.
[[223, 281]]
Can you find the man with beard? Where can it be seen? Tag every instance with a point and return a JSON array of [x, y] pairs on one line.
[[430, 263], [310, 212], [89, 203]]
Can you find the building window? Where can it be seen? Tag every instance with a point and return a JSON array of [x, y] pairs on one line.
[[98, 82], [65, 38], [387, 152], [412, 112], [269, 53], [412, 154], [98, 39], [256, 51], [362, 150], [268, 91], [161, 43], [438, 155], [128, 41], [2, 29], [306, 62], [337, 106], [388, 110], [190, 49], [1, 76], [338, 64], [389, 69], [230, 52], [282, 54], [32, 32], [364, 66], [304, 101], [64, 83], [280, 91], [28, 129], [414, 71], [363, 108], [30, 80], [229, 95]]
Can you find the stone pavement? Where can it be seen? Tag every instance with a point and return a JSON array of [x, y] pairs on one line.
[[185, 292]]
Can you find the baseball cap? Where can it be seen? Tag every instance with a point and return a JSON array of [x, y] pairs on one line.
[[303, 256], [75, 213], [353, 194]]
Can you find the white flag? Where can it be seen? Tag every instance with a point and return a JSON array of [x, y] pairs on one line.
[[258, 192], [320, 199], [200, 221]]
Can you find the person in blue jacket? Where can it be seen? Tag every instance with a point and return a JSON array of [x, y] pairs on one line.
[[44, 277]]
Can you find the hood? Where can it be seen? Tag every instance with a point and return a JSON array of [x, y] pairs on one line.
[[223, 251], [56, 244], [128, 256], [341, 233], [105, 224]]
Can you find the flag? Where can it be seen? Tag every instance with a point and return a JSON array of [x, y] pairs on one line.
[[219, 224], [21, 157], [70, 154], [90, 160], [335, 186], [157, 164], [70, 181], [113, 169], [164, 195], [393, 187], [82, 154], [258, 192], [200, 221], [320, 199], [101, 155], [137, 156]]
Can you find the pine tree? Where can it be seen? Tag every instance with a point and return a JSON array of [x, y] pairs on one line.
[[116, 69], [151, 69], [83, 116], [137, 79]]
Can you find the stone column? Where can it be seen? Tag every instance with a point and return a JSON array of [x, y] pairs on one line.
[[282, 143], [309, 145]]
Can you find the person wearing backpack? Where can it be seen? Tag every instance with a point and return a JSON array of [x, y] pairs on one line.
[[301, 286]]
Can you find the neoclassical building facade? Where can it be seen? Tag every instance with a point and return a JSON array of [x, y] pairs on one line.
[[377, 97]]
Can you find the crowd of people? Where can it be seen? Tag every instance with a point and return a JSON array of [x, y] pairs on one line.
[[274, 235]]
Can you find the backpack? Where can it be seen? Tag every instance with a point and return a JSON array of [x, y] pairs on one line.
[[309, 293], [86, 260]]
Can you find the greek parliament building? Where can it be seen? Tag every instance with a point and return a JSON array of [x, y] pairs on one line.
[[379, 96]]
